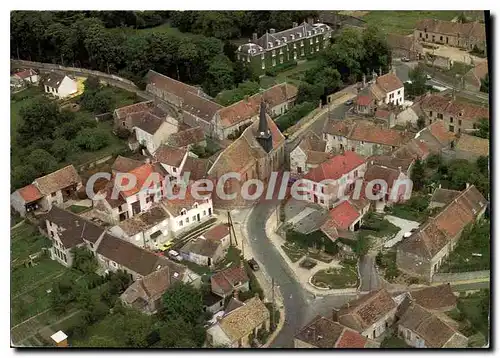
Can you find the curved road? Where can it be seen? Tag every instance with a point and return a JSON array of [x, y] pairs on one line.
[[300, 305]]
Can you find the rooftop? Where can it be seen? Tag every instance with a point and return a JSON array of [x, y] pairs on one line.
[[335, 167]]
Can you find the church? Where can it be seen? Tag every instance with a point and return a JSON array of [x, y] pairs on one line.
[[258, 152]]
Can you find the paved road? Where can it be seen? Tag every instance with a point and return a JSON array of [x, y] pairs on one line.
[[404, 225], [300, 305], [337, 112], [370, 279]]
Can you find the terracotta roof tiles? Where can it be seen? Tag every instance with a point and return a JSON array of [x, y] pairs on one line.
[[30, 193], [187, 137], [58, 180], [389, 82], [335, 167]]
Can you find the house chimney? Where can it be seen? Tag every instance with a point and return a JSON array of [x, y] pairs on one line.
[[295, 24], [400, 169], [254, 37], [272, 31]]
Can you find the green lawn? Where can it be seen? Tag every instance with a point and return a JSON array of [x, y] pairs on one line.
[[344, 277], [294, 252], [293, 75], [26, 240], [404, 22], [473, 240], [414, 209], [379, 226]]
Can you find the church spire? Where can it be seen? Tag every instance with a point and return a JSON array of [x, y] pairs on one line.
[[264, 136]]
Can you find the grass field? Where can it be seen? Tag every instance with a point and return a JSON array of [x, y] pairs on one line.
[[403, 22], [335, 278], [293, 75]]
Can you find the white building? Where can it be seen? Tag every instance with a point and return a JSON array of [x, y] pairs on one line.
[[148, 230], [186, 213], [59, 85], [392, 87], [172, 159], [152, 131]]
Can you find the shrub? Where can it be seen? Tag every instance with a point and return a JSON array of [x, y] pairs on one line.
[[290, 118], [92, 139], [272, 72]]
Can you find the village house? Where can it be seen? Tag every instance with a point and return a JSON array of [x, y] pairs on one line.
[[470, 147], [187, 212], [324, 333], [212, 303], [59, 85], [126, 117], [333, 178], [463, 35], [457, 116], [124, 165], [276, 48], [196, 107], [188, 138], [441, 197], [152, 131], [405, 46], [257, 153], [414, 149], [148, 230], [308, 154], [362, 137], [28, 75], [130, 202], [52, 189], [234, 329], [66, 231], [423, 329], [382, 91], [370, 315], [437, 137], [233, 119], [115, 254], [435, 298], [424, 251], [209, 248], [472, 79], [196, 167], [171, 159], [225, 282], [145, 294], [345, 216]]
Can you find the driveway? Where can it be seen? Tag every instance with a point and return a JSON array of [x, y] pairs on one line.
[[455, 54], [369, 277], [405, 225]]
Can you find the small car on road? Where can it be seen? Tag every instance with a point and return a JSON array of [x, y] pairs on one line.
[[175, 255], [166, 246], [349, 102], [253, 265], [405, 59]]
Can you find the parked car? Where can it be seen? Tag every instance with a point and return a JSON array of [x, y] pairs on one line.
[[253, 264], [166, 246], [349, 102], [405, 59], [175, 255]]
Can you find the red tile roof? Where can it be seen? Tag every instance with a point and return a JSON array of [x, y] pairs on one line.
[[58, 180], [440, 132], [389, 82], [141, 173], [186, 137], [374, 134], [335, 167], [343, 215], [30, 193], [249, 107], [447, 106], [170, 155], [363, 100], [133, 108], [26, 73], [229, 278], [382, 113], [351, 339], [217, 232]]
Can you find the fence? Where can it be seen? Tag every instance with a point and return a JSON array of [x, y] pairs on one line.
[[105, 77]]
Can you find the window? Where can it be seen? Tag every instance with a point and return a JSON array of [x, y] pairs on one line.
[[451, 128], [430, 113], [183, 212], [91, 245], [459, 122], [451, 119], [440, 116], [194, 218], [281, 59], [440, 38], [123, 123], [408, 334], [53, 194], [311, 41], [302, 43], [262, 57], [274, 62], [317, 39], [180, 223], [325, 137], [263, 65], [322, 201], [187, 220], [204, 212], [274, 53], [399, 92], [426, 36], [57, 92], [174, 169], [299, 170], [64, 258], [355, 173], [420, 35]]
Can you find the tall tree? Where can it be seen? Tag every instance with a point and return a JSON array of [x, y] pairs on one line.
[[418, 175], [183, 300]]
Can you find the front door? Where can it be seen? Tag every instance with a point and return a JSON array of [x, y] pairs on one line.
[[209, 211], [198, 217]]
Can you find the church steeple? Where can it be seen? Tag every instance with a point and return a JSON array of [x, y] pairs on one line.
[[264, 136]]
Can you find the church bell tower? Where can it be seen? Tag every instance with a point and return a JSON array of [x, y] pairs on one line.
[[264, 136]]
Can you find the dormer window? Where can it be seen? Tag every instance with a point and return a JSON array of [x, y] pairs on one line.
[[284, 39], [322, 30], [183, 212], [278, 42], [292, 36], [195, 205], [308, 33], [270, 44]]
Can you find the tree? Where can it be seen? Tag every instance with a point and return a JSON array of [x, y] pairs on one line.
[[22, 175], [418, 175], [39, 117], [309, 93], [92, 84], [483, 128], [219, 75], [421, 122], [92, 139], [418, 79], [483, 164], [176, 332], [84, 260], [102, 342], [485, 83], [61, 148], [42, 162], [183, 300], [63, 292]]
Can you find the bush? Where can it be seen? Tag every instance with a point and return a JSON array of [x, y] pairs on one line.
[[272, 72], [92, 139], [290, 118]]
